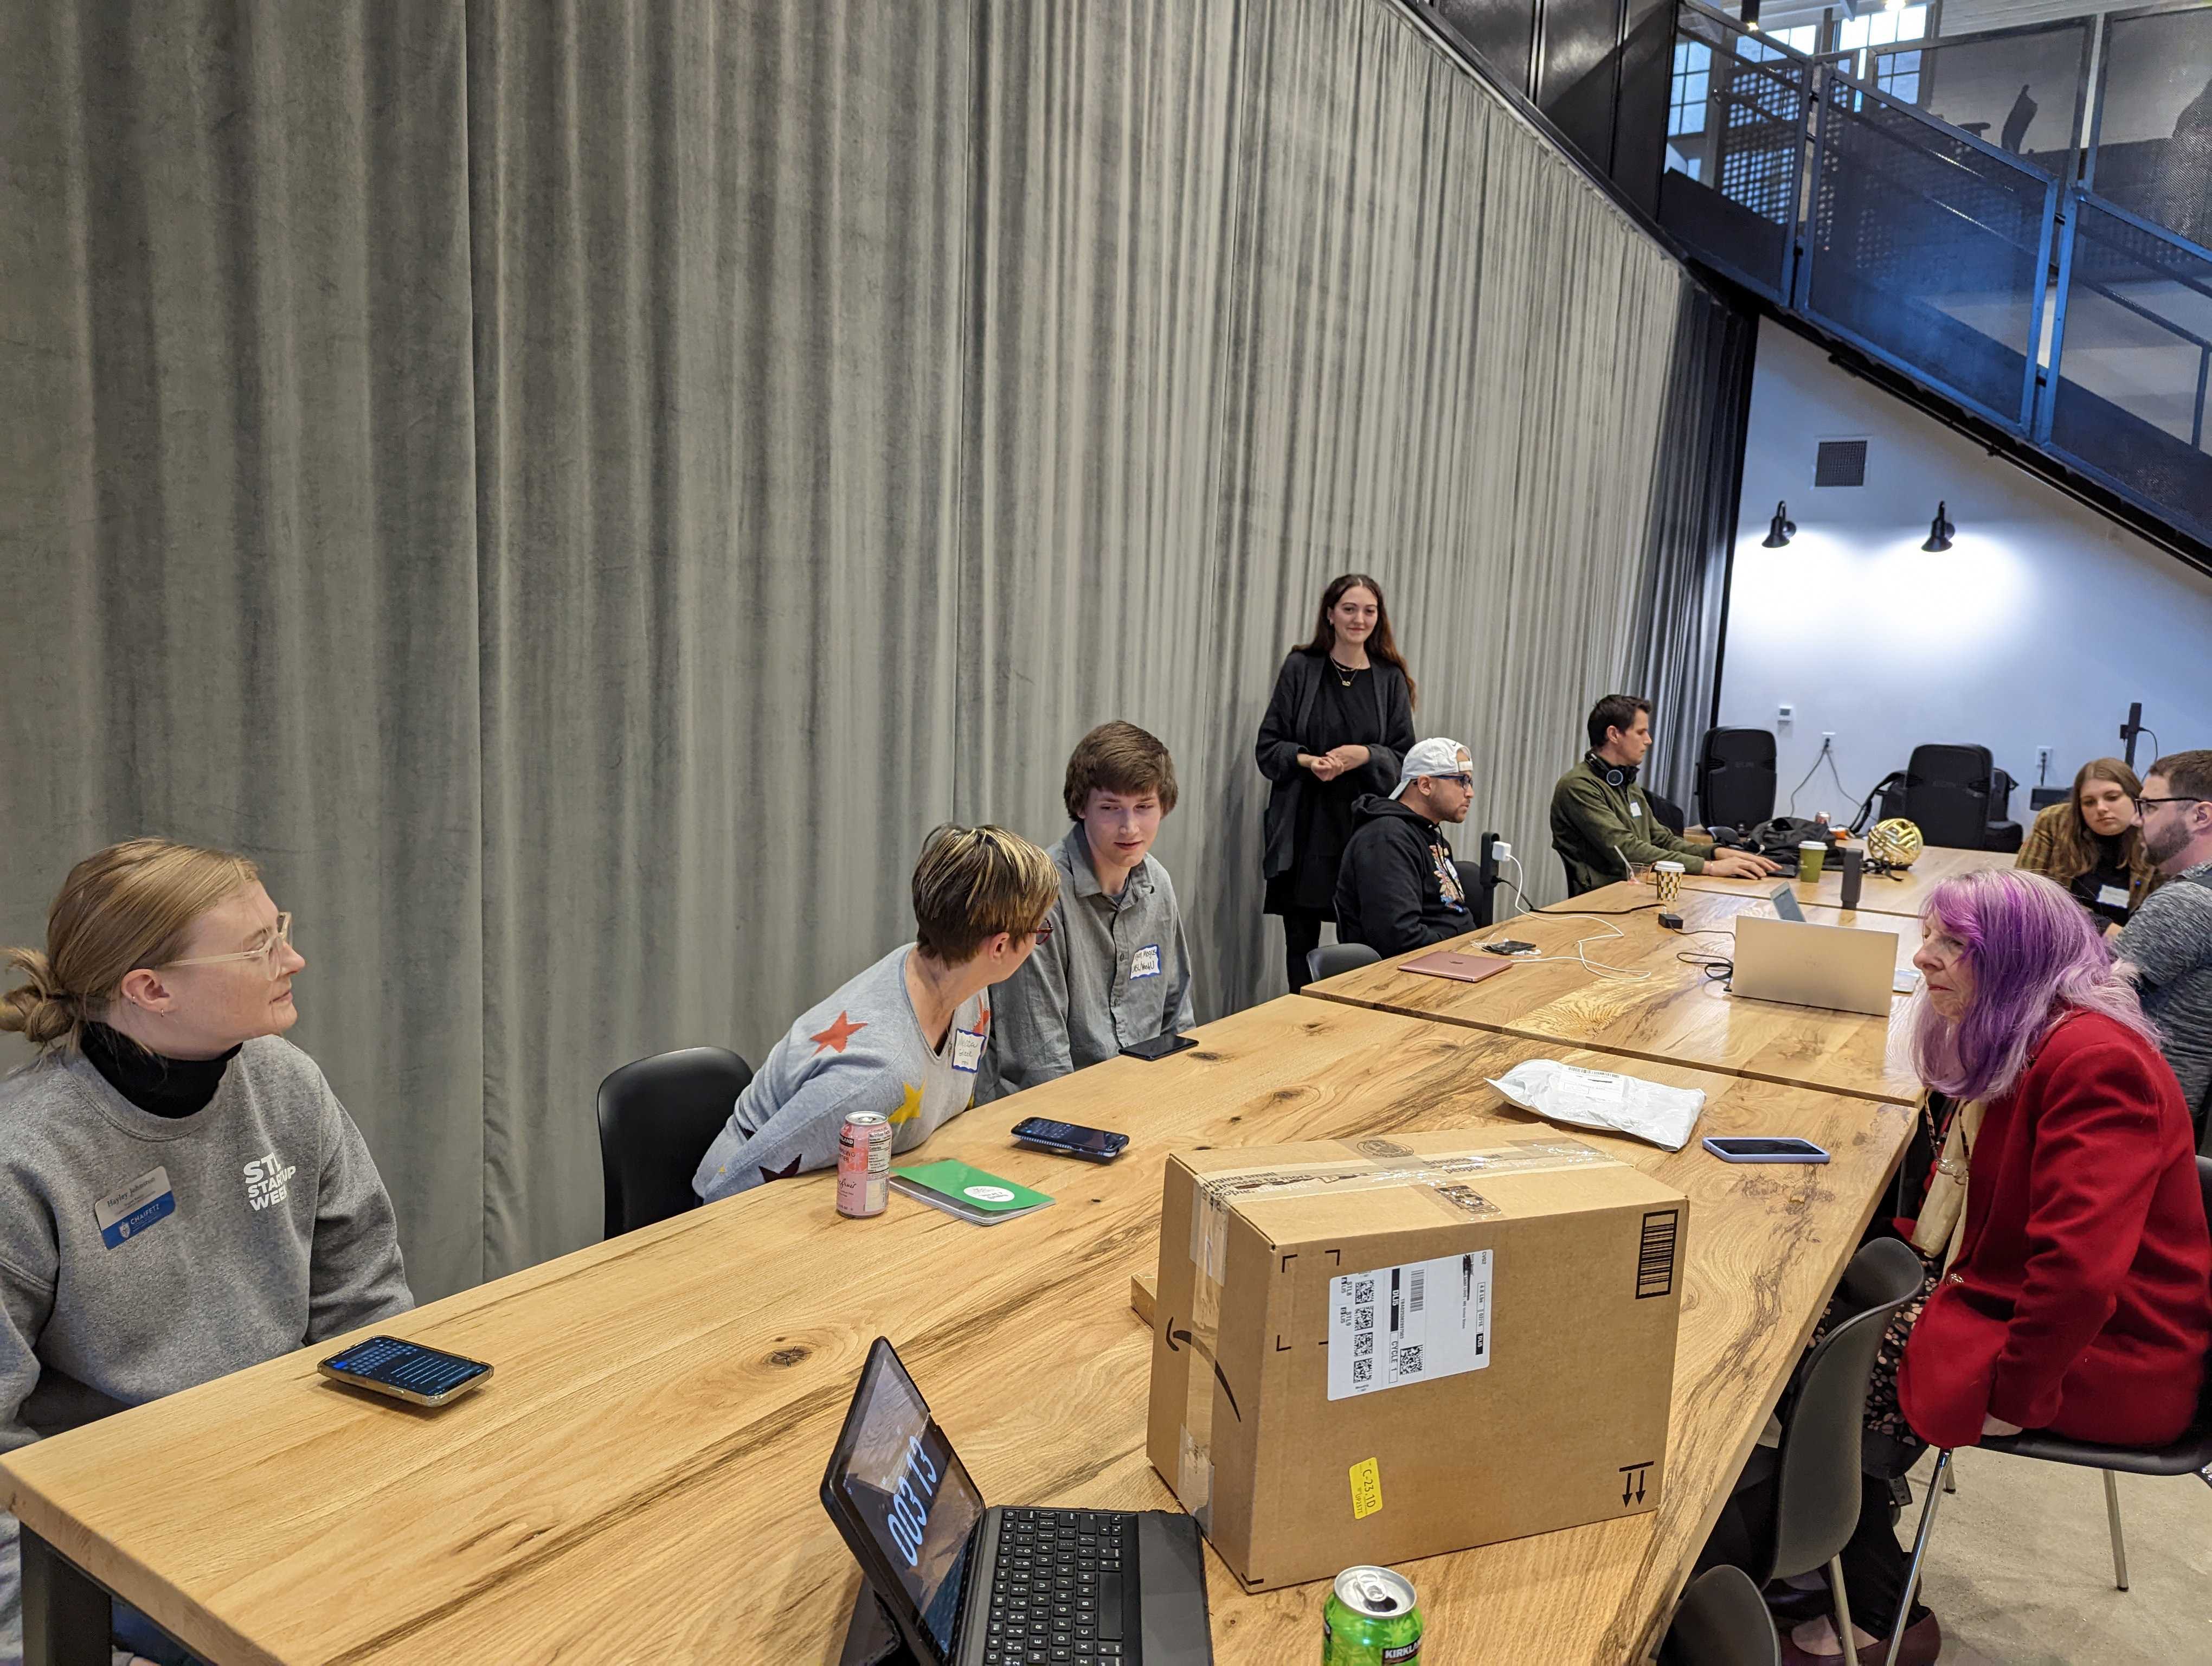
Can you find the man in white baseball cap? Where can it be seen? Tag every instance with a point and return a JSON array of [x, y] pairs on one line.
[[1399, 888]]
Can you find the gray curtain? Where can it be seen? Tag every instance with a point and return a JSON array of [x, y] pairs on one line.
[[577, 491], [1691, 532]]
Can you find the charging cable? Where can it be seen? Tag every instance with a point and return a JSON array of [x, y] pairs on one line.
[[1579, 954]]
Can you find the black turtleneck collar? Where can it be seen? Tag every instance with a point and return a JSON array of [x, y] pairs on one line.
[[157, 1084]]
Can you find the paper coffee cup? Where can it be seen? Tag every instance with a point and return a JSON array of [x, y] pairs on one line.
[[1810, 855], [1669, 875]]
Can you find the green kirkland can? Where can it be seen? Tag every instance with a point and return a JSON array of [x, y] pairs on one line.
[[1371, 1620]]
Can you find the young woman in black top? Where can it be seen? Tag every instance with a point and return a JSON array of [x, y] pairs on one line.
[[1339, 724], [2090, 843]]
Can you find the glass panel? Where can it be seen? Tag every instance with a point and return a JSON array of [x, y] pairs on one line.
[[2128, 396], [1735, 137], [2155, 136], [2020, 92], [1924, 247]]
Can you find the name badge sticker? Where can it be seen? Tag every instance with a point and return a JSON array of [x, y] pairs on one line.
[[1634, 808], [1147, 963], [126, 1213], [2112, 896], [967, 1049]]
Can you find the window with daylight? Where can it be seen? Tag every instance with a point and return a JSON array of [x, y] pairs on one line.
[[1897, 74], [1686, 103], [1805, 39]]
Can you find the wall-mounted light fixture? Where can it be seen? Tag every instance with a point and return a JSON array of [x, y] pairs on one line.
[[1939, 532], [1751, 15], [1780, 530]]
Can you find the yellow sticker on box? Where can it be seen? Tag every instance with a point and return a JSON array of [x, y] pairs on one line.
[[1366, 1489]]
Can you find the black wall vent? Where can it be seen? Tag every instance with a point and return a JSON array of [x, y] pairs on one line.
[[1840, 463]]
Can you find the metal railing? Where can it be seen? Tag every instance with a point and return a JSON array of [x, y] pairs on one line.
[[1990, 271]]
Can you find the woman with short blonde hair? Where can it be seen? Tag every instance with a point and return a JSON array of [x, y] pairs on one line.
[[181, 1194], [905, 1039]]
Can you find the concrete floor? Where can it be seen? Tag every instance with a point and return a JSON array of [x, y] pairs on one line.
[[2021, 1570]]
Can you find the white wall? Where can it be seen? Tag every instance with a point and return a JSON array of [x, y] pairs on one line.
[[2037, 628]]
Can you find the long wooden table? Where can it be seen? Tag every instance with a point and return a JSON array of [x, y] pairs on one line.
[[1674, 1011], [1905, 893], [638, 1483]]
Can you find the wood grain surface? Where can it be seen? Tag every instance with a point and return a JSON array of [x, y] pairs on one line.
[[640, 1481], [1674, 1011], [1905, 893]]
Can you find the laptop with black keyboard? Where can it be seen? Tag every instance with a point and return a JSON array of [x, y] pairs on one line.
[[970, 1585]]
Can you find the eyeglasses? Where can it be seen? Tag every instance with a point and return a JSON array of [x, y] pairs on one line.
[[1043, 933], [279, 938], [2191, 798]]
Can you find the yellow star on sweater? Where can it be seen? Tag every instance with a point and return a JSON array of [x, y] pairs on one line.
[[912, 1108]]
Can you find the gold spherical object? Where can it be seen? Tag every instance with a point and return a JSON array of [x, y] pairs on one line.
[[1896, 841]]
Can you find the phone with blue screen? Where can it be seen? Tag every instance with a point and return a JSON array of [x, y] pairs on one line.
[[406, 1371]]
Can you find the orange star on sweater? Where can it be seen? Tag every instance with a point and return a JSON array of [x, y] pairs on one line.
[[833, 1039]]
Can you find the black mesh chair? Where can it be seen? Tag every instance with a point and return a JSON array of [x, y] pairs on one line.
[[1667, 813], [657, 1117], [1737, 778], [2191, 1455], [1482, 895], [1958, 798], [1722, 1621], [1799, 1501], [1331, 958]]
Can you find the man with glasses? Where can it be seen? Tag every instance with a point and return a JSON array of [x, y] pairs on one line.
[[2167, 943], [1398, 889]]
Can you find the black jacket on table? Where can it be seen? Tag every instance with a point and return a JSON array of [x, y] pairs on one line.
[[1398, 889], [1290, 710]]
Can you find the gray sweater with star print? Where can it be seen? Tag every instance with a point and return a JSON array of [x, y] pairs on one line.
[[861, 1049], [141, 1255]]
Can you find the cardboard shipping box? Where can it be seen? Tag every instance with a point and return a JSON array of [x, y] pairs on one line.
[[1386, 1349]]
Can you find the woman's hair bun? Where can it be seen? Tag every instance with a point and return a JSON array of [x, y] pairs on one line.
[[38, 1009]]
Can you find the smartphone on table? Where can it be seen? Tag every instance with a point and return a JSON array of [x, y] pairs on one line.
[[1764, 1148], [406, 1371], [1071, 1139], [1159, 1047]]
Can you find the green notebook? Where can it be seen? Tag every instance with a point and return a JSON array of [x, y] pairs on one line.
[[970, 1193]]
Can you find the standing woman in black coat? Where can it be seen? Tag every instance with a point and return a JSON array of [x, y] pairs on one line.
[[1339, 724]]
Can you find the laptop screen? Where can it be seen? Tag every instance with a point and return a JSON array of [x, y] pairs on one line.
[[906, 1487]]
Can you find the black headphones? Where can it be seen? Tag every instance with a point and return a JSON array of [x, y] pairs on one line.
[[1612, 774]]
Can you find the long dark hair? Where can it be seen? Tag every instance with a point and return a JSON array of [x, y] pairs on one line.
[[1379, 646], [2076, 852]]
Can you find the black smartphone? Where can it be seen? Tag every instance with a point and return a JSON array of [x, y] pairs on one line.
[[1159, 1047], [1071, 1139], [406, 1371], [1783, 1148], [1509, 945]]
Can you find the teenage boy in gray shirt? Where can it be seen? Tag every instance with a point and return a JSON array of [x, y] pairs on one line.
[[907, 1038], [2167, 943], [1117, 968]]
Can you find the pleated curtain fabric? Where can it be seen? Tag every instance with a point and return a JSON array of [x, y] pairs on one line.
[[578, 491]]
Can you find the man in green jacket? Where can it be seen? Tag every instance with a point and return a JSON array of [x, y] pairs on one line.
[[1601, 822]]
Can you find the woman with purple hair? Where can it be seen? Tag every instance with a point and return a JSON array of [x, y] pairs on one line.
[[2074, 1292]]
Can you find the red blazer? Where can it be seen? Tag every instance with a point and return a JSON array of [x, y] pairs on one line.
[[2081, 1299]]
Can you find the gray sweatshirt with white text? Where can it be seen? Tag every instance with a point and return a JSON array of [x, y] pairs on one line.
[[141, 1255]]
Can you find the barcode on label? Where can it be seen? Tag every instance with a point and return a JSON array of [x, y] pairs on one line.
[[1416, 1286], [1409, 1362], [1654, 1254]]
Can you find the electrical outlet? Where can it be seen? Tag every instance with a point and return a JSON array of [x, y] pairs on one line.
[[1827, 740], [1785, 714], [2042, 761]]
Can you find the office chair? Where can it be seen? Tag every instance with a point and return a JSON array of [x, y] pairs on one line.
[[1736, 777], [2191, 1455], [1667, 813], [1800, 1500], [1481, 895], [657, 1117], [1722, 1621], [1331, 958], [1958, 798]]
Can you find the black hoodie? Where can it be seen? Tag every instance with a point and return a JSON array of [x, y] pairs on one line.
[[1398, 888]]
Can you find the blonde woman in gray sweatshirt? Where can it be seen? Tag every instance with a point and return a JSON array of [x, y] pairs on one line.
[[181, 1194]]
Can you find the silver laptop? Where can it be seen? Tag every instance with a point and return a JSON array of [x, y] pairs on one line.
[[1847, 968]]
